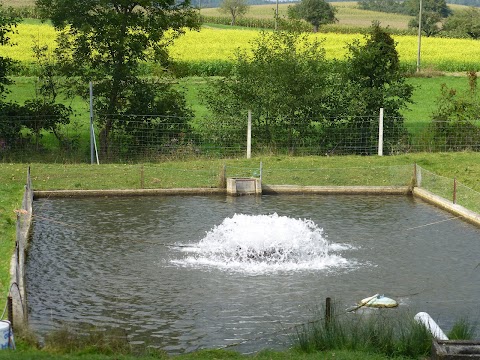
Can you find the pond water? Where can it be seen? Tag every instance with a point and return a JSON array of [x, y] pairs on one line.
[[188, 272]]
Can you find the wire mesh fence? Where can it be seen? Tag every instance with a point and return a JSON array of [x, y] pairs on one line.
[[135, 138], [451, 190]]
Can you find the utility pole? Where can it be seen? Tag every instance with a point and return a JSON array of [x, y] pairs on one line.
[[276, 16], [419, 35]]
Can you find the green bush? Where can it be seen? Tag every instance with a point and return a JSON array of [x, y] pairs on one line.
[[390, 332], [462, 330]]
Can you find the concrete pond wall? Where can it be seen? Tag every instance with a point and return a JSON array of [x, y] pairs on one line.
[[17, 297]]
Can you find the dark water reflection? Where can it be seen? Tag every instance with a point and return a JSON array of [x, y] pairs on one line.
[[107, 262]]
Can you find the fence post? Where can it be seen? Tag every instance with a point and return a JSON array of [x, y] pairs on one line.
[[10, 310], [261, 171], [92, 147], [380, 133], [418, 175], [142, 178], [249, 135], [328, 312], [454, 190]]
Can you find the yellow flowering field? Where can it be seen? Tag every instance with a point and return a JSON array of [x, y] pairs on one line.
[[211, 44], [441, 53], [26, 37]]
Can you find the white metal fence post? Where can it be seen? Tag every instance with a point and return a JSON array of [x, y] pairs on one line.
[[249, 135], [380, 133], [92, 147], [93, 143]]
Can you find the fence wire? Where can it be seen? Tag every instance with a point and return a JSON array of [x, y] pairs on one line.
[[140, 138], [451, 190]]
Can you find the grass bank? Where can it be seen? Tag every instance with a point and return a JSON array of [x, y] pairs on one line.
[[200, 355]]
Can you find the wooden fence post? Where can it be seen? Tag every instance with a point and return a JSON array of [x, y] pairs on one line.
[[328, 312]]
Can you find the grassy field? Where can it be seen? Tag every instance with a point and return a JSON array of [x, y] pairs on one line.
[[426, 93], [18, 3]]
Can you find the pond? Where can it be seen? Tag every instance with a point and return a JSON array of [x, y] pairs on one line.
[[188, 272]]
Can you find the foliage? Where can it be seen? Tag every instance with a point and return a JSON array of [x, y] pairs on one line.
[[7, 25], [373, 79], [436, 6], [430, 23], [455, 117], [381, 332], [235, 8], [106, 42], [433, 11], [388, 6], [462, 330], [316, 12], [284, 103], [464, 23], [23, 12], [316, 103], [37, 114]]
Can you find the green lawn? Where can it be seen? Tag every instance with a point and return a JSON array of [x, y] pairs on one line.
[[426, 93]]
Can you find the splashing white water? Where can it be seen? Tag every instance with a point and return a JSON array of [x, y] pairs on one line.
[[264, 243]]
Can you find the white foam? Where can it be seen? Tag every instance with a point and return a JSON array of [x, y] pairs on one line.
[[264, 243]]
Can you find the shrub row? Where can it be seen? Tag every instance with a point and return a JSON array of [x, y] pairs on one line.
[[303, 26], [25, 12]]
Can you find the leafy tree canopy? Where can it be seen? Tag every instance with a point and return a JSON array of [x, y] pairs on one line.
[[7, 26], [431, 23], [464, 23], [316, 12], [372, 79], [375, 67], [234, 8], [107, 42], [439, 7], [295, 94], [409, 7], [285, 81]]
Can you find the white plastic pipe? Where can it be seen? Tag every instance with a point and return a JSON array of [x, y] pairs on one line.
[[431, 325]]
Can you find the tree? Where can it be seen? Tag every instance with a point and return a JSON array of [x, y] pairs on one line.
[[235, 8], [464, 23], [454, 121], [106, 42], [285, 81], [372, 79], [431, 22], [388, 6], [316, 12], [433, 11], [7, 25], [10, 120], [437, 6]]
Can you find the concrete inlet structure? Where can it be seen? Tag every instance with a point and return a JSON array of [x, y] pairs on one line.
[[455, 350], [244, 186]]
